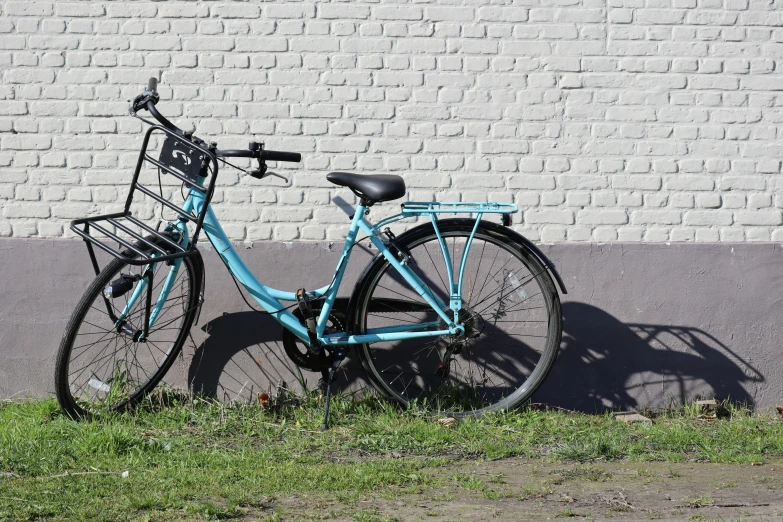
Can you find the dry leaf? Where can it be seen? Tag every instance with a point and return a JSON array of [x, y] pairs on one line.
[[632, 418], [263, 399], [447, 421]]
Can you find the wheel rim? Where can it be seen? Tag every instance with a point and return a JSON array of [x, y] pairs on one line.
[[107, 369], [507, 307]]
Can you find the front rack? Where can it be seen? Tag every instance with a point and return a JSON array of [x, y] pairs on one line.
[[179, 157]]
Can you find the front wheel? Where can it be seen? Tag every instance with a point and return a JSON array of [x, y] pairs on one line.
[[511, 315], [104, 364]]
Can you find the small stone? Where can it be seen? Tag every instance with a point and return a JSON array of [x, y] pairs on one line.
[[708, 406], [632, 418]]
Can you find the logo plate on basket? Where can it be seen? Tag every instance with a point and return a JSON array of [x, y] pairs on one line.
[[179, 157]]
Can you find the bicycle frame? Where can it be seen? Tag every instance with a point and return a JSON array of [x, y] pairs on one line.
[[270, 298]]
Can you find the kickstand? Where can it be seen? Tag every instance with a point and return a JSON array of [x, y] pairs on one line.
[[339, 355]]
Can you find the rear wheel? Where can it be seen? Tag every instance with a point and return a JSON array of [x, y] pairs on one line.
[[102, 366], [511, 314]]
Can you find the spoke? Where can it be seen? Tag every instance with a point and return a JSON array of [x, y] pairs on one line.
[[95, 360], [170, 321], [167, 302], [403, 295], [478, 269], [378, 314], [90, 344], [513, 290], [493, 277], [387, 305], [512, 309], [448, 288], [489, 271], [98, 327], [524, 308]]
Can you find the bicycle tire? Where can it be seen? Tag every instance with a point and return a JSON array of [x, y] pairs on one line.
[[77, 407], [426, 393]]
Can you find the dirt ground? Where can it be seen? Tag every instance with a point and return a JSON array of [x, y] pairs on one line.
[[521, 489]]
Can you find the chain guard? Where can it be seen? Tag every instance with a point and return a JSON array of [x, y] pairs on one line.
[[298, 351]]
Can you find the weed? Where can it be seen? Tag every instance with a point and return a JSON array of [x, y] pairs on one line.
[[194, 457], [703, 501], [567, 513], [588, 473]]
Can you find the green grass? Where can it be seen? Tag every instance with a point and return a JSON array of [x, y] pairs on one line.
[[200, 460]]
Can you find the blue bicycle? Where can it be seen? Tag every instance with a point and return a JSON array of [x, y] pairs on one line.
[[458, 314]]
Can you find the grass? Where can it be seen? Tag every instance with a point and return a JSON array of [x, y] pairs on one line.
[[202, 460]]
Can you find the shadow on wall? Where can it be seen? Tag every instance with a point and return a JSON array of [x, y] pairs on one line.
[[603, 363]]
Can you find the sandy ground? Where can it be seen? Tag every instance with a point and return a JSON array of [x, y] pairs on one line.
[[521, 489]]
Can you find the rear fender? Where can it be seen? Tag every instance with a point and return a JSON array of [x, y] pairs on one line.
[[402, 239]]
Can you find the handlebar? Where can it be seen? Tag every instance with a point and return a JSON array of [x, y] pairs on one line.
[[149, 98], [150, 106], [266, 155]]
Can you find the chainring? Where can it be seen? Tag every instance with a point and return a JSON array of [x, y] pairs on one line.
[[299, 352]]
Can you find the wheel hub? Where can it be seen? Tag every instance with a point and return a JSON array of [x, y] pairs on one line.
[[473, 324]]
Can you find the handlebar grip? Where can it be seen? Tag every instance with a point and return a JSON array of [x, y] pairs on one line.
[[153, 84], [275, 155]]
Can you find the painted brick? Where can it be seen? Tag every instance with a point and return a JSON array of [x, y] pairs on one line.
[[656, 122]]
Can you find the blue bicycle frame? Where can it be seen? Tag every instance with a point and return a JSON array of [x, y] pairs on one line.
[[270, 298]]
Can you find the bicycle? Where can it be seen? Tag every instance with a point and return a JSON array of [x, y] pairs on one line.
[[482, 339]]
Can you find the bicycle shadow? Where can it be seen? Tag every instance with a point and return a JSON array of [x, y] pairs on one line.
[[603, 363], [607, 364], [242, 357]]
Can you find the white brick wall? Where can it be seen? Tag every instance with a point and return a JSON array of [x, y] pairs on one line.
[[643, 120]]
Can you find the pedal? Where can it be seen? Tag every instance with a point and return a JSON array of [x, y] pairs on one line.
[[303, 300]]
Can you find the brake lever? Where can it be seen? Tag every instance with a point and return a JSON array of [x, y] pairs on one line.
[[141, 100], [261, 174], [277, 175]]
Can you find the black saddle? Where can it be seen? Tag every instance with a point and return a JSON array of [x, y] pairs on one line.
[[374, 188]]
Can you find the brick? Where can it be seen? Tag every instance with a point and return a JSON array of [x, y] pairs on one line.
[[156, 43], [343, 11], [665, 130], [26, 210], [29, 8], [503, 14], [538, 216], [602, 217], [397, 13], [451, 14], [759, 217], [289, 11]]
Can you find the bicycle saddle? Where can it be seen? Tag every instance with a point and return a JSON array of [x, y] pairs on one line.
[[375, 187]]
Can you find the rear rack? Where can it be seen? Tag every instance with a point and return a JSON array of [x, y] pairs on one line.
[[179, 157], [415, 208]]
